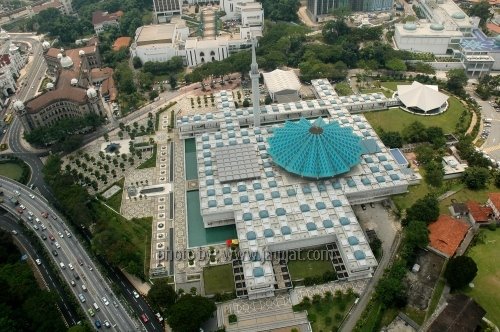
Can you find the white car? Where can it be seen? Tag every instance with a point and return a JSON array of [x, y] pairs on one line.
[[38, 261], [43, 227], [22, 207], [136, 295], [30, 213], [17, 193], [58, 246], [105, 301], [32, 196], [68, 234], [71, 266], [35, 227], [61, 235]]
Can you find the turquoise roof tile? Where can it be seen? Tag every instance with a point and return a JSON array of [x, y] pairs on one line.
[[315, 150]]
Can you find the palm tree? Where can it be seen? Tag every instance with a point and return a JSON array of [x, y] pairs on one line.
[[106, 168], [122, 125], [101, 154], [120, 134], [68, 168], [122, 166], [131, 160], [124, 156]]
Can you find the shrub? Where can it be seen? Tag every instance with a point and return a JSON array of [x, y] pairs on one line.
[[233, 318], [328, 320]]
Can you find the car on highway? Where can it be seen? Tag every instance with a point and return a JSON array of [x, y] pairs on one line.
[[51, 237], [22, 207], [17, 193], [44, 237], [38, 261], [105, 300], [98, 323], [71, 266], [43, 227], [53, 217], [91, 312], [30, 213], [82, 298], [58, 246], [30, 219], [54, 252], [32, 196], [19, 210], [35, 227], [61, 235], [90, 268], [73, 283], [79, 260], [38, 221], [107, 324], [45, 214], [68, 234], [115, 304], [136, 295], [144, 318]]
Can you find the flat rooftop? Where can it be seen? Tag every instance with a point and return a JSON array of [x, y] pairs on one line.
[[424, 30], [157, 33]]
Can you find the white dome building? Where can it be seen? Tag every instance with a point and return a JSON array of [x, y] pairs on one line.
[[66, 62], [45, 45], [49, 86], [74, 81], [81, 52]]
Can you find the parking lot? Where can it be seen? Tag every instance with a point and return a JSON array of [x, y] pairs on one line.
[[376, 217]]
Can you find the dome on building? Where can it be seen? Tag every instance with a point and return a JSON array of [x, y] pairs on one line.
[[66, 62], [74, 81], [437, 27], [410, 26], [81, 52], [49, 86], [13, 48], [18, 105], [45, 45], [59, 56], [91, 93], [315, 149], [458, 15]]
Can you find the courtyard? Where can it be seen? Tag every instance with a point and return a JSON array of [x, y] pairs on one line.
[[218, 279], [310, 263]]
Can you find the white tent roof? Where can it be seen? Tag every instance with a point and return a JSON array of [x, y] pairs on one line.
[[279, 80], [424, 97]]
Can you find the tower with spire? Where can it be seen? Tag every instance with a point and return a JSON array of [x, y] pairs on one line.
[[254, 76]]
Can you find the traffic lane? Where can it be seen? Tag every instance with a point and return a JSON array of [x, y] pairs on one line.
[[66, 254], [10, 225], [40, 205]]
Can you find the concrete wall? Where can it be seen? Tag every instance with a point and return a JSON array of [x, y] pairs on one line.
[[446, 65]]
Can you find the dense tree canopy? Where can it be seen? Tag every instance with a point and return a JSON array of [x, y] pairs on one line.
[[23, 305], [425, 209], [189, 312], [281, 10], [476, 178], [162, 295], [392, 139], [457, 79], [434, 173], [481, 9], [460, 271]]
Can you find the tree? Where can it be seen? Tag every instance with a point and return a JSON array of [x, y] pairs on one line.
[[281, 10], [435, 136], [425, 154], [460, 271], [153, 94], [136, 61], [457, 79], [106, 137], [396, 65], [246, 103], [415, 132], [189, 312], [434, 173], [424, 209], [392, 139], [476, 177], [162, 295], [482, 10], [335, 29], [172, 81], [268, 100]]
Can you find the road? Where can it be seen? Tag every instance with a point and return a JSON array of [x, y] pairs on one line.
[[492, 144], [9, 223], [71, 252]]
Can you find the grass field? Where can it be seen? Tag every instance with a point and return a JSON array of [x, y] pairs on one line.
[[115, 201], [11, 170], [300, 269], [393, 85], [388, 94], [396, 119], [487, 281], [218, 279], [151, 162], [465, 195]]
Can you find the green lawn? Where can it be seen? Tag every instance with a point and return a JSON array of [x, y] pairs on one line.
[[396, 119], [393, 85], [304, 267], [487, 281], [115, 201], [11, 170], [343, 89], [151, 162], [466, 194], [218, 279]]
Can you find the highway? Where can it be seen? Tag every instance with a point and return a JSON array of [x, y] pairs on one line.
[[70, 252], [9, 223]]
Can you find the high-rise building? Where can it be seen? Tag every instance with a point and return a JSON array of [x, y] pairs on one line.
[[165, 9]]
